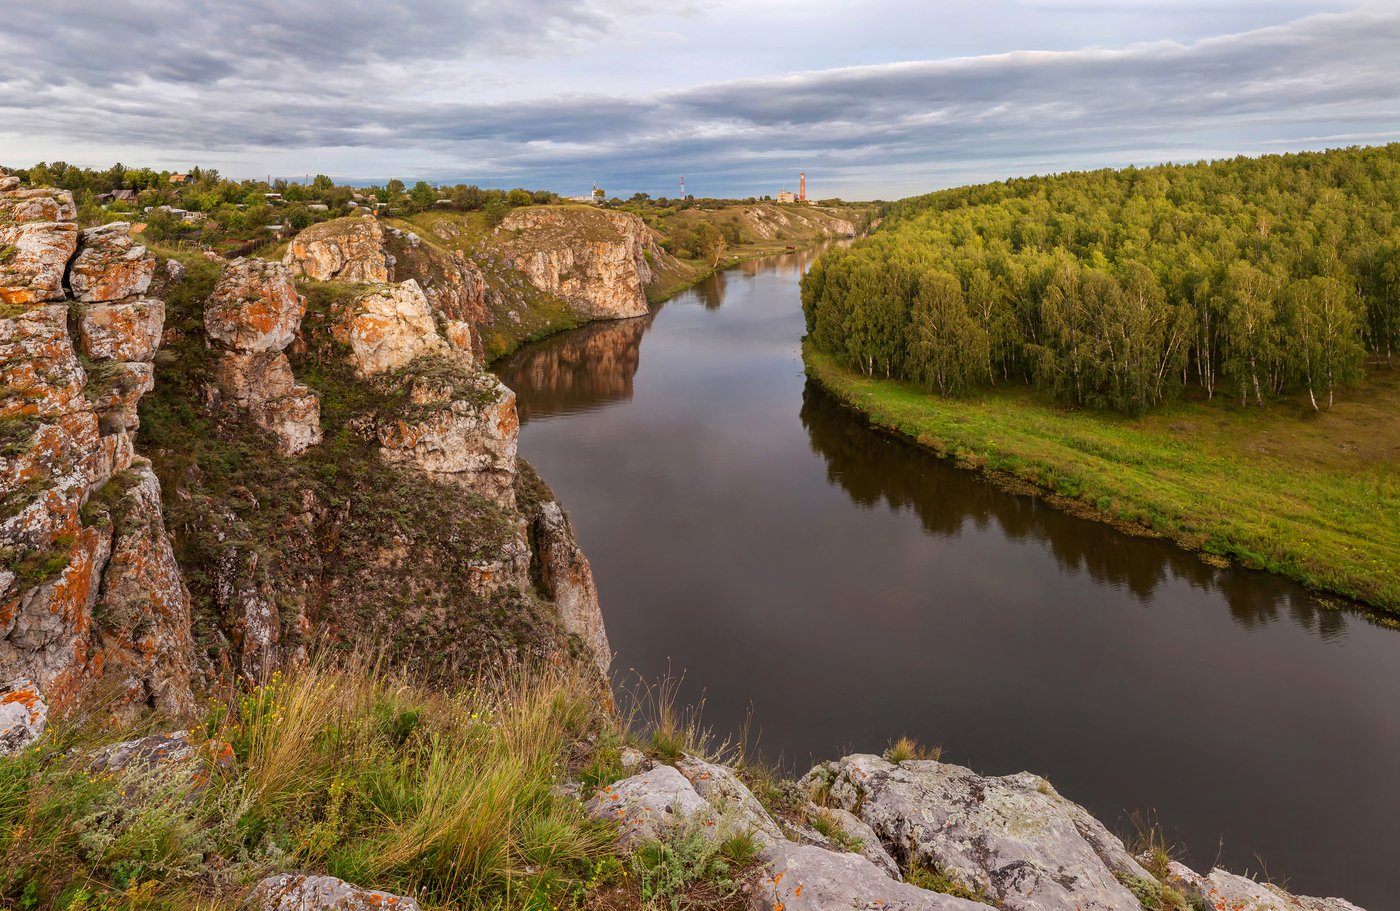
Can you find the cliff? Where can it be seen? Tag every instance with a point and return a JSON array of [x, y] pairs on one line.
[[91, 597], [322, 460]]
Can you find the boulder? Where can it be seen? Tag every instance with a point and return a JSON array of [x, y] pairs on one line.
[[854, 830], [807, 878], [389, 328], [300, 892], [34, 204], [143, 752], [348, 249], [1013, 837], [33, 259], [126, 331], [1225, 891], [651, 805], [727, 794], [567, 578], [254, 307], [109, 265], [23, 714]]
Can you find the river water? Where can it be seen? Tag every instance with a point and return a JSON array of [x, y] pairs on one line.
[[848, 588]]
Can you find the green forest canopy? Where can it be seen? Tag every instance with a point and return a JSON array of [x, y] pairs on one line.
[[1118, 289]]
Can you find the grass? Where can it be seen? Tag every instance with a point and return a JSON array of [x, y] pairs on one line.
[[907, 748], [926, 877], [448, 796], [1309, 496]]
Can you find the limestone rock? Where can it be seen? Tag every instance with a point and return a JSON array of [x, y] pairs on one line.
[[454, 286], [723, 789], [389, 328], [175, 271], [1231, 892], [567, 579], [348, 249], [593, 259], [129, 330], [117, 391], [299, 892], [466, 435], [652, 805], [870, 847], [807, 878], [23, 714], [33, 258], [147, 752], [254, 307], [144, 630], [262, 385], [1013, 837], [109, 265], [35, 204]]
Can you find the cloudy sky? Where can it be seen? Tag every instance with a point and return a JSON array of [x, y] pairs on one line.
[[881, 98]]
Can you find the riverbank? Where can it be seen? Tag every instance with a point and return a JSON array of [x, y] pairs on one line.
[[1309, 497]]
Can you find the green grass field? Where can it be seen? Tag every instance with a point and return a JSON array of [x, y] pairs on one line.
[[1311, 496]]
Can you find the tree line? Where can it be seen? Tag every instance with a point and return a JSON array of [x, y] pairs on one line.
[[1119, 289]]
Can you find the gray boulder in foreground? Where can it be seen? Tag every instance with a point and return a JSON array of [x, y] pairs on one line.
[[1232, 892], [650, 805], [1013, 838], [298, 892], [807, 878]]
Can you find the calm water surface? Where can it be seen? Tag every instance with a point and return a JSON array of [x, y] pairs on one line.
[[750, 533]]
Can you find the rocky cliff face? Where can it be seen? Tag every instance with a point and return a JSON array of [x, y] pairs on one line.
[[594, 259], [387, 510], [393, 517], [92, 597]]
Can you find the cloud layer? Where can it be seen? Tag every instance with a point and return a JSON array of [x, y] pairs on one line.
[[481, 91]]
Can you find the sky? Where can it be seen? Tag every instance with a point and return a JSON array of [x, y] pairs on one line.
[[877, 99]]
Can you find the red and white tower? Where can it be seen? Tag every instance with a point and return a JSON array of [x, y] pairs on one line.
[[802, 187]]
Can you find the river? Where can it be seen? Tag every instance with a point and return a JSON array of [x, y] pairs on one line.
[[848, 588]]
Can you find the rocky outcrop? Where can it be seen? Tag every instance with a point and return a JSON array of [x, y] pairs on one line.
[[389, 328], [253, 314], [299, 892], [110, 265], [453, 285], [90, 590], [463, 432], [37, 239], [664, 802], [1221, 890], [1013, 837], [347, 249], [567, 579], [254, 307], [595, 260], [23, 716]]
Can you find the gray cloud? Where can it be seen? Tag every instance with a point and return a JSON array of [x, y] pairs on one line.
[[284, 79]]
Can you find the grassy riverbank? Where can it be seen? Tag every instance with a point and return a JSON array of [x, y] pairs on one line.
[[1309, 496]]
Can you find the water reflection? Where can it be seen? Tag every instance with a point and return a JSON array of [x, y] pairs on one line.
[[876, 468], [577, 371], [746, 531]]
